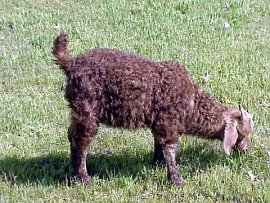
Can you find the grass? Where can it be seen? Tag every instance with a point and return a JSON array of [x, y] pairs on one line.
[[34, 151]]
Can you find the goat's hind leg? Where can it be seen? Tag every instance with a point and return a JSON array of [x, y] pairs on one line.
[[80, 136]]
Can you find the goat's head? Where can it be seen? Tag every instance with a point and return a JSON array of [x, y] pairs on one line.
[[238, 125]]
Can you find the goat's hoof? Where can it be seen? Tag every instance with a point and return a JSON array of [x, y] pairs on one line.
[[175, 180], [84, 178], [159, 163]]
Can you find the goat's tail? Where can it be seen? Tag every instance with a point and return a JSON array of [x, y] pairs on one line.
[[60, 52]]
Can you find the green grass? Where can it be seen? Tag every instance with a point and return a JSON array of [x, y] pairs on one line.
[[34, 150]]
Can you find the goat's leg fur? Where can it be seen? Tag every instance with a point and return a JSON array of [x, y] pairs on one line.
[[80, 136], [166, 132], [158, 158], [170, 149]]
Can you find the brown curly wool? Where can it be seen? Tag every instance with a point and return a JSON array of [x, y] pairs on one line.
[[126, 90]]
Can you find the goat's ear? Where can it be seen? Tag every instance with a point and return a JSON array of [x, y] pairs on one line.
[[230, 132]]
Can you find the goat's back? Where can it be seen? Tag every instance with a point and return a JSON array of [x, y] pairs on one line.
[[128, 90]]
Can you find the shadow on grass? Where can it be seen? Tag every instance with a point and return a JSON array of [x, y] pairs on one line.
[[53, 169]]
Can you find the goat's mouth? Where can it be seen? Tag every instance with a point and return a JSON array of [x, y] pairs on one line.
[[242, 144]]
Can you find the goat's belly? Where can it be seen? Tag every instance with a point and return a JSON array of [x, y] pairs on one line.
[[127, 115]]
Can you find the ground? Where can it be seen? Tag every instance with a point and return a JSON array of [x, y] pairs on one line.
[[225, 45]]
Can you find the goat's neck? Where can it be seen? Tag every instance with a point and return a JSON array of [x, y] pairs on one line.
[[208, 116]]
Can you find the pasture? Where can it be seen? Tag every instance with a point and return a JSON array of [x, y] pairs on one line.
[[225, 45]]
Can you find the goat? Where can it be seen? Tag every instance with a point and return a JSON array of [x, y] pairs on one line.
[[123, 89]]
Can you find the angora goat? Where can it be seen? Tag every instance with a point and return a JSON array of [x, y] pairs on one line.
[[126, 90]]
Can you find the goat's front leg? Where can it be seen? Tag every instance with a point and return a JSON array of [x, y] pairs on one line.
[[170, 149], [158, 158]]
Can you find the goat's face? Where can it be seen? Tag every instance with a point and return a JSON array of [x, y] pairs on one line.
[[238, 125]]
